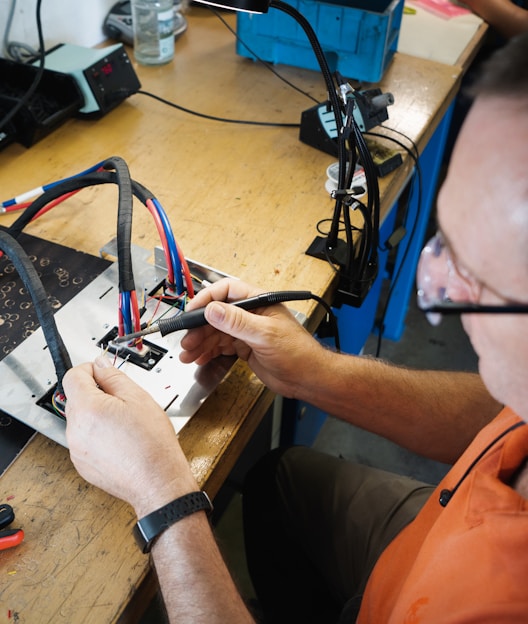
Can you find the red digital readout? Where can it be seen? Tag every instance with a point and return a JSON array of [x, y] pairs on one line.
[[107, 69]]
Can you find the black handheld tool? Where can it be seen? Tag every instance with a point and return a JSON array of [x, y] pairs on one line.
[[196, 318]]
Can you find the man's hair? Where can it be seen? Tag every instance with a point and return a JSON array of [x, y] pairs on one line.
[[506, 71]]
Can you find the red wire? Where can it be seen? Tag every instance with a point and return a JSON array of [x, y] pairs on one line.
[[155, 311], [54, 203], [159, 226], [43, 210], [120, 324], [136, 322], [186, 272], [16, 207]]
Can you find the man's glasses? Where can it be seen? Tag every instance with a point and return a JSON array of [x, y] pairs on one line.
[[445, 288]]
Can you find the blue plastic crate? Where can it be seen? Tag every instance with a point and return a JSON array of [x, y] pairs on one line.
[[358, 37]]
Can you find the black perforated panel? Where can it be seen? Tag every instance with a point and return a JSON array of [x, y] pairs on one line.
[[64, 272]]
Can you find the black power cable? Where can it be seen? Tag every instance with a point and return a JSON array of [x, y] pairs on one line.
[[335, 105], [31, 280], [414, 154], [38, 76], [124, 222], [67, 186], [268, 66], [213, 117]]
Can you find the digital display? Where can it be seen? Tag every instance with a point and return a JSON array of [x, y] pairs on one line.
[[107, 69]]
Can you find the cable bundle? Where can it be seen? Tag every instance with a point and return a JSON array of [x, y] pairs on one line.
[[178, 283], [358, 269]]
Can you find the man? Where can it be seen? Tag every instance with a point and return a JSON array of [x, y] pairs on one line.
[[325, 537]]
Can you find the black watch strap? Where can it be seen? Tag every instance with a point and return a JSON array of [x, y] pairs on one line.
[[152, 526]]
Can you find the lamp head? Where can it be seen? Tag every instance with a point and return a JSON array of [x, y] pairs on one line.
[[248, 6]]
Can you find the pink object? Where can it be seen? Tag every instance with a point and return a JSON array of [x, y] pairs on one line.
[[442, 8]]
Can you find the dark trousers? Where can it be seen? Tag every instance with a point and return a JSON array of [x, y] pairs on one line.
[[314, 527]]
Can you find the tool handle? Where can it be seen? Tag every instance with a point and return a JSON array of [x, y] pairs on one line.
[[187, 320], [196, 318], [10, 538]]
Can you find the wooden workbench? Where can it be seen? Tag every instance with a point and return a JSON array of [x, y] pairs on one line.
[[244, 199]]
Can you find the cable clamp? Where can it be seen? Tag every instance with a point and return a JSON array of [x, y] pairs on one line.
[[347, 195]]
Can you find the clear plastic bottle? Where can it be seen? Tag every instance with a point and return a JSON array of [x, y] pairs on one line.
[[153, 22]]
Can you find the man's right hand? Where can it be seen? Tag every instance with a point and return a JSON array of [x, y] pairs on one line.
[[275, 345]]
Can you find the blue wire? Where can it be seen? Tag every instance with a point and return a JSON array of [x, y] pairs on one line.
[[40, 189], [125, 312], [77, 175], [173, 250]]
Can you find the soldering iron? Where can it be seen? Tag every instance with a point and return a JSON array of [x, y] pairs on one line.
[[196, 318]]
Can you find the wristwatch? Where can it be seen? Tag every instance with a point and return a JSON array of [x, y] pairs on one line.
[[149, 528]]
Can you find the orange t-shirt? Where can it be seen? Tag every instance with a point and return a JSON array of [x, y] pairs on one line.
[[468, 561]]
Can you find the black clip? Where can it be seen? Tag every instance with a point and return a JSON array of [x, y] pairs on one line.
[[7, 515]]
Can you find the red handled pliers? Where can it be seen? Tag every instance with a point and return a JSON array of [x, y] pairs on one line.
[[8, 537]]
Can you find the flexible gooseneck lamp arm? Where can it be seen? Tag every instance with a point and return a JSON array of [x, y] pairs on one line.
[[346, 141], [331, 241], [332, 95]]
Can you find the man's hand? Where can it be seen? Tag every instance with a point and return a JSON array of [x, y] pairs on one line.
[[121, 440], [274, 344]]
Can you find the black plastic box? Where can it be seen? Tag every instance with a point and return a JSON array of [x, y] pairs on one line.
[[56, 98]]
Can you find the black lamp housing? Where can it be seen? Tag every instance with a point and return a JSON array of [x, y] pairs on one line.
[[248, 6]]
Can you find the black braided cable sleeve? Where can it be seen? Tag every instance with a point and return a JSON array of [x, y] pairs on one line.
[[29, 276]]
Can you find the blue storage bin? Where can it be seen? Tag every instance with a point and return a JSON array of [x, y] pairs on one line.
[[358, 37]]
